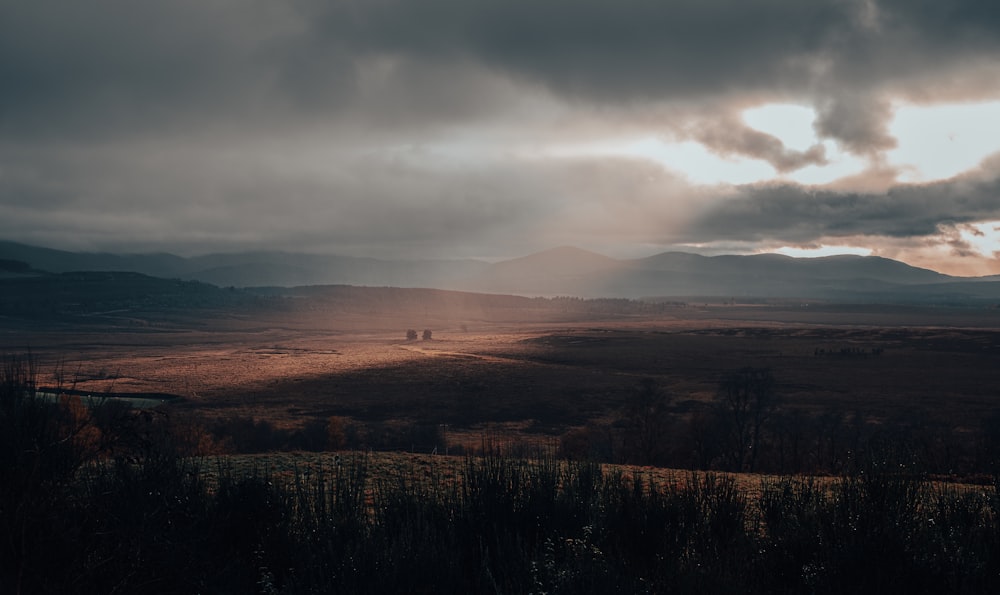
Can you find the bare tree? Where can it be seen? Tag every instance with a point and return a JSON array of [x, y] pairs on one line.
[[647, 422], [744, 402]]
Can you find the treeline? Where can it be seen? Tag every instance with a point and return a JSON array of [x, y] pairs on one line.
[[67, 295], [140, 518], [749, 428]]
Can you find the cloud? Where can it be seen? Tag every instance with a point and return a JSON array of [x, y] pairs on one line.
[[116, 67], [728, 136], [794, 214], [847, 57], [392, 202], [411, 127], [859, 121]]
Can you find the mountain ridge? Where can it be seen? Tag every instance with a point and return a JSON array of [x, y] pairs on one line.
[[564, 270]]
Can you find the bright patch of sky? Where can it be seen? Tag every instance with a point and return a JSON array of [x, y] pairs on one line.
[[822, 250], [982, 237], [934, 142], [793, 125], [697, 163], [688, 159], [938, 142]]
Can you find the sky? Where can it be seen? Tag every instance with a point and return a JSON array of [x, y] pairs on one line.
[[496, 128]]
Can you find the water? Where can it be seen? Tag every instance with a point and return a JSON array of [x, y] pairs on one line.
[[93, 400]]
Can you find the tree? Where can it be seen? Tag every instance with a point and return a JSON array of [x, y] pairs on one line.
[[646, 421], [744, 403], [411, 335], [427, 335]]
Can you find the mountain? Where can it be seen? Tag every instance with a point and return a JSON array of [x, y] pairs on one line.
[[769, 275], [249, 269], [61, 261], [842, 267], [571, 271], [565, 271]]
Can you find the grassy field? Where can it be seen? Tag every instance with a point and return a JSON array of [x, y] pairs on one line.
[[103, 499], [825, 448], [842, 375], [290, 373]]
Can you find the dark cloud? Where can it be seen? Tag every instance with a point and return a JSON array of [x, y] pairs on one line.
[[598, 50], [843, 55], [370, 124], [111, 66], [859, 121], [117, 65], [799, 215]]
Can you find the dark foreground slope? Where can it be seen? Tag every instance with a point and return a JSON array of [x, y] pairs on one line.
[[144, 518]]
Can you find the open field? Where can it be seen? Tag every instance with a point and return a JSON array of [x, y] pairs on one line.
[[876, 470], [534, 379]]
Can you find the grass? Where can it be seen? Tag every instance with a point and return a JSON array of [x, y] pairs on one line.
[[142, 517], [368, 523]]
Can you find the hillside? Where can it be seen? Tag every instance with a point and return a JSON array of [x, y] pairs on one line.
[[563, 271]]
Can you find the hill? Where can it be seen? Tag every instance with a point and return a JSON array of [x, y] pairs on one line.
[[563, 271]]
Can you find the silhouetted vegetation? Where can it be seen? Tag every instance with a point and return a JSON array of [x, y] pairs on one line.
[[243, 434], [108, 501], [69, 294], [647, 425], [749, 428]]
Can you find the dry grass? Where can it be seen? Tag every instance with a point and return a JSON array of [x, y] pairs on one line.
[[448, 468], [538, 379]]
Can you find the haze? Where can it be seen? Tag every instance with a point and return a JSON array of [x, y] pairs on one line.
[[493, 129]]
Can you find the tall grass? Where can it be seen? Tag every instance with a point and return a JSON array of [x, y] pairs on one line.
[[156, 523]]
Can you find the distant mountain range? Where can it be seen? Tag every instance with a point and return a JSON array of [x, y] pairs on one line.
[[561, 271]]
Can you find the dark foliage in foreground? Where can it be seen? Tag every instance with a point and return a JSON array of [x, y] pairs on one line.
[[149, 521]]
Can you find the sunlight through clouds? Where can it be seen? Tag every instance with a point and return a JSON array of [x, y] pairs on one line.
[[982, 237], [933, 143], [791, 123], [689, 160], [938, 142], [794, 126], [697, 163]]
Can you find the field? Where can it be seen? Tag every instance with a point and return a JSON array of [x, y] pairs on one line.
[[535, 380], [610, 448]]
